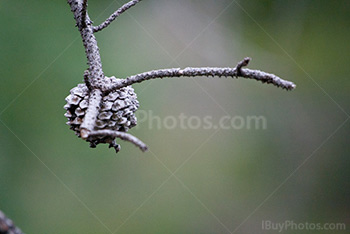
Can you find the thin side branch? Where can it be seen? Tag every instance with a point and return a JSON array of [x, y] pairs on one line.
[[241, 64], [116, 14], [122, 135], [238, 71]]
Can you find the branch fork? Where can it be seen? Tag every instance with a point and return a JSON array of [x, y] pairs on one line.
[[98, 86]]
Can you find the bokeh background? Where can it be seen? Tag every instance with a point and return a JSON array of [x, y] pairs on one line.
[[224, 181]]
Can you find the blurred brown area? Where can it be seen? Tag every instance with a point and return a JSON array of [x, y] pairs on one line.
[[225, 179]]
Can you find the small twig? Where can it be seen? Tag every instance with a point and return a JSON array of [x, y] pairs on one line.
[[84, 13], [206, 71], [241, 64], [117, 13], [122, 135]]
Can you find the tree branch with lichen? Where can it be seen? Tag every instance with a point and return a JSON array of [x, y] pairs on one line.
[[120, 107]]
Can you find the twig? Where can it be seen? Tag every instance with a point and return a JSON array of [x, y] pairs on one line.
[[241, 64], [206, 71], [117, 13], [122, 135]]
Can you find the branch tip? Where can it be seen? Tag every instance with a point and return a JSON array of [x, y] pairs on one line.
[[115, 15], [241, 64]]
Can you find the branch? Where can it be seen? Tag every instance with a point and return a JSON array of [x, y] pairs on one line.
[[117, 13], [122, 135], [7, 226], [206, 71]]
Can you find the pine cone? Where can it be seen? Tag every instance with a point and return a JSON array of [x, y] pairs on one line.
[[116, 113], [7, 226]]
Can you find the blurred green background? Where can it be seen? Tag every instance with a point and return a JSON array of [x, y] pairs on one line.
[[226, 180]]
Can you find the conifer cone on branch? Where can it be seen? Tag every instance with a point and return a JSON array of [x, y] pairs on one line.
[[102, 109]]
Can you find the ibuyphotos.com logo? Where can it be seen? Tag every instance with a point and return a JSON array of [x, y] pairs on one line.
[[290, 225]]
